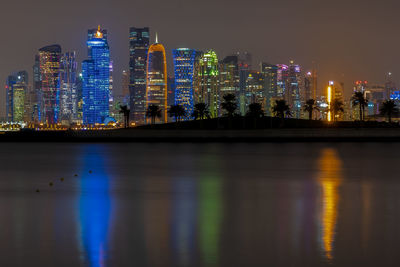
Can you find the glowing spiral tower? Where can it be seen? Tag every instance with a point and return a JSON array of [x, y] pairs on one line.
[[156, 80]]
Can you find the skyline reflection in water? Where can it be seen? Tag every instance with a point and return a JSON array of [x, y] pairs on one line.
[[200, 205], [329, 178], [94, 207]]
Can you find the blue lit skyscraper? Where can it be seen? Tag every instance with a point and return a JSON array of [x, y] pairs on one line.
[[96, 80], [184, 66]]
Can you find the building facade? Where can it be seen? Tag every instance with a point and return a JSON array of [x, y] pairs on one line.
[[206, 81], [156, 79], [96, 80], [49, 62], [184, 59], [68, 89], [139, 40]]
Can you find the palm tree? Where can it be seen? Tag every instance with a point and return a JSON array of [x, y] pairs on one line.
[[359, 99], [177, 111], [255, 110], [125, 110], [309, 107], [388, 108], [201, 111], [153, 111], [336, 107], [229, 104], [281, 108]]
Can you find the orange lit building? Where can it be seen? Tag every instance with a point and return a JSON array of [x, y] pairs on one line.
[[156, 81]]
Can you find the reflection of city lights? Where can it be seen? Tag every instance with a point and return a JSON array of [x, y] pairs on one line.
[[330, 179], [329, 102]]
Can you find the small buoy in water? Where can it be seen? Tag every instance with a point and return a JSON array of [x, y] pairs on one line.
[[90, 171], [62, 179], [76, 175], [37, 191], [50, 184]]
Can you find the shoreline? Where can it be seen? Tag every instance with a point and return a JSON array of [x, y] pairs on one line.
[[208, 136]]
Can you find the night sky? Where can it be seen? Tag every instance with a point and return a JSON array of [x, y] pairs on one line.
[[348, 40]]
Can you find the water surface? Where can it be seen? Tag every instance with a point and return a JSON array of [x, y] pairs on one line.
[[200, 204]]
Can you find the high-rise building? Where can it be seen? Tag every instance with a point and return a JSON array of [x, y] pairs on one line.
[[229, 76], [68, 90], [139, 40], [79, 98], [293, 89], [206, 81], [96, 80], [49, 60], [254, 89], [171, 91], [125, 88], [270, 73], [35, 93], [184, 59], [156, 82], [11, 80], [17, 96], [281, 77]]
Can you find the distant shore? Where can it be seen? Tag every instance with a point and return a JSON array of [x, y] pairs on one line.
[[181, 135]]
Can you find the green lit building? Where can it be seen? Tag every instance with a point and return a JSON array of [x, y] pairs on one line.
[[206, 81]]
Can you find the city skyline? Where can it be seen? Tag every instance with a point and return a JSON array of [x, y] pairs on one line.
[[333, 44]]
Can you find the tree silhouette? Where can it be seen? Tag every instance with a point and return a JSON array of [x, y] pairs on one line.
[[255, 110], [388, 108], [177, 112], [153, 111], [229, 104], [359, 99], [281, 108], [201, 111], [336, 108], [309, 107], [125, 111]]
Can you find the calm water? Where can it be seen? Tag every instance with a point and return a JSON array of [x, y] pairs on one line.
[[200, 205]]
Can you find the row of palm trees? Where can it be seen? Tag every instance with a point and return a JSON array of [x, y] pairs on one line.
[[280, 109], [388, 107]]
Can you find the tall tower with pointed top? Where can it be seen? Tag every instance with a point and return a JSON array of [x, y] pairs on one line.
[[96, 80], [156, 80]]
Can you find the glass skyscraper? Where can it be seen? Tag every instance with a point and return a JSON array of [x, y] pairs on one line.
[[206, 89], [156, 82], [138, 47], [96, 80], [49, 60], [184, 69], [16, 96], [68, 91]]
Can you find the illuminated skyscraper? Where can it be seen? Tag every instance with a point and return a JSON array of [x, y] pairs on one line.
[[35, 94], [255, 89], [49, 60], [269, 72], [184, 69], [96, 80], [11, 80], [281, 77], [138, 48], [229, 76], [206, 85], [17, 92], [156, 82], [310, 85], [125, 88], [68, 91], [292, 89]]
